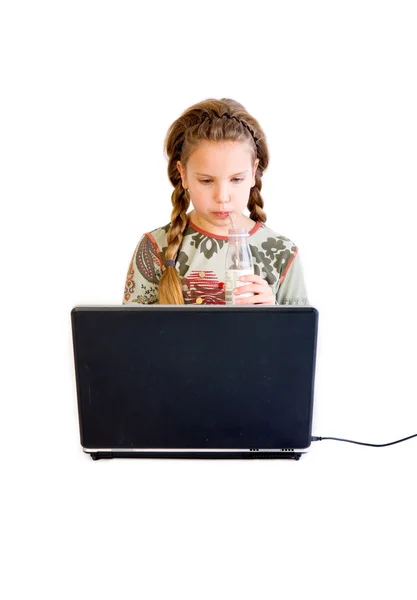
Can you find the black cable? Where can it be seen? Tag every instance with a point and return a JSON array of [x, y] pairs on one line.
[[315, 438]]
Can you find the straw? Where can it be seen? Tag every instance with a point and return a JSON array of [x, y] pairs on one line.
[[233, 227]]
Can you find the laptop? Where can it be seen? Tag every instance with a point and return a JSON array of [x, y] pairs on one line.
[[159, 381]]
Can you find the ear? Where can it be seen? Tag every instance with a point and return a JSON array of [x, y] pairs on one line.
[[183, 176]]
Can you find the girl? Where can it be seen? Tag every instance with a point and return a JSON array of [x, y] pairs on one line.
[[217, 154]]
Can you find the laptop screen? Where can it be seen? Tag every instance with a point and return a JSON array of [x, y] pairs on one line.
[[195, 377]]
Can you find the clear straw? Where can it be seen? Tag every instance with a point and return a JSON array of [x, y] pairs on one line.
[[233, 227]]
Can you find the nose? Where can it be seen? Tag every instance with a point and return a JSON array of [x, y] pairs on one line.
[[222, 195]]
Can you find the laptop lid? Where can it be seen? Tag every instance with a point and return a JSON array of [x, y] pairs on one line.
[[194, 379]]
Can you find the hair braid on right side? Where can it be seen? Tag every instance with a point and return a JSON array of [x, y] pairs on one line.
[[255, 202]]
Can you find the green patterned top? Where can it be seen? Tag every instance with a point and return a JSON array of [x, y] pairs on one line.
[[201, 266]]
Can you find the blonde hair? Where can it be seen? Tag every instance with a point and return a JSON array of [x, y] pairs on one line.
[[214, 120]]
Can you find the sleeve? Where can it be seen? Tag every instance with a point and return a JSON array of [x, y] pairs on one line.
[[144, 273], [292, 288]]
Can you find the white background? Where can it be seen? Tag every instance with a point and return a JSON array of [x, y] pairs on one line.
[[88, 92]]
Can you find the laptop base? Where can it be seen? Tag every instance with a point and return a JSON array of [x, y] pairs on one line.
[[221, 455]]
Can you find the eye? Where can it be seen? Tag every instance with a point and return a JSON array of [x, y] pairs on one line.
[[234, 179]]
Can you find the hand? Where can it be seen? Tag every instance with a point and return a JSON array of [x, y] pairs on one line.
[[260, 288]]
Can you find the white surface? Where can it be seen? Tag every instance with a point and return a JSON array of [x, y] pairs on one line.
[[89, 90]]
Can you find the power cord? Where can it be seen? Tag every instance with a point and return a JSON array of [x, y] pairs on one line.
[[315, 438]]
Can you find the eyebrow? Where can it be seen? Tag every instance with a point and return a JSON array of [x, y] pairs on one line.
[[234, 174]]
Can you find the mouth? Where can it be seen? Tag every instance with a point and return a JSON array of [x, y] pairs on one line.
[[222, 215]]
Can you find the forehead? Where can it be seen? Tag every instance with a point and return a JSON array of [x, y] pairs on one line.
[[216, 157]]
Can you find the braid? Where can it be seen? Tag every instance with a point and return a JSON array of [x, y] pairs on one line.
[[180, 202], [170, 290], [255, 202]]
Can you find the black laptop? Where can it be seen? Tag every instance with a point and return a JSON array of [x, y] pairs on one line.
[[195, 381]]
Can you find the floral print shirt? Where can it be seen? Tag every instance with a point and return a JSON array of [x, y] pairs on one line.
[[201, 266]]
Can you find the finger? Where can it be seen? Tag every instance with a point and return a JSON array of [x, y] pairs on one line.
[[246, 289], [254, 279], [257, 299], [254, 287]]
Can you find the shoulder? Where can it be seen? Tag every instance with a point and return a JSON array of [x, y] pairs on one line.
[[153, 241], [273, 252], [150, 248], [158, 236], [268, 238]]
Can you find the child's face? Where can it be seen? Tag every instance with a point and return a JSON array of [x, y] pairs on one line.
[[219, 176]]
